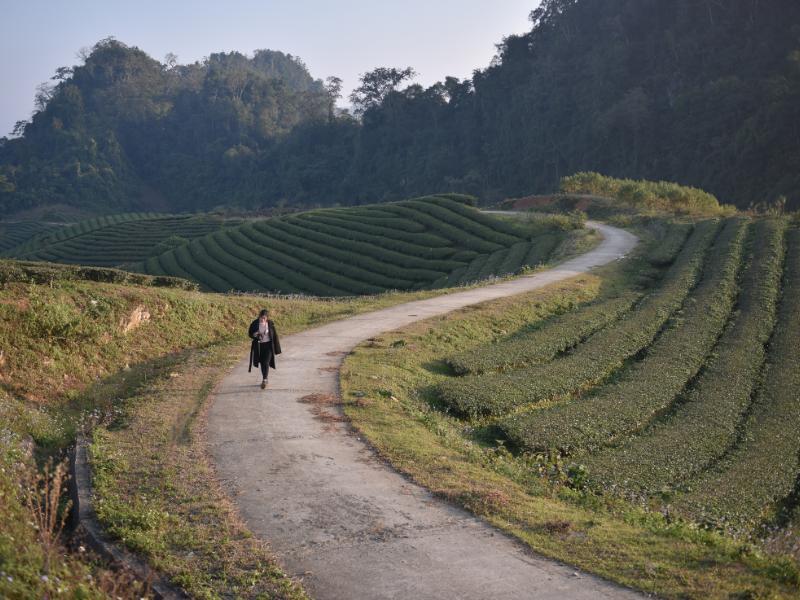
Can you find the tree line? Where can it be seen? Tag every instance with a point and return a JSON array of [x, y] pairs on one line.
[[701, 92]]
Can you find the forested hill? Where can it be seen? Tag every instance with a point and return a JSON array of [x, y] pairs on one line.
[[702, 92]]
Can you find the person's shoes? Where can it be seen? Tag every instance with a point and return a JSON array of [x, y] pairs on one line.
[[263, 384]]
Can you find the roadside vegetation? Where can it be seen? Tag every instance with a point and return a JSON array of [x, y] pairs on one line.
[[115, 361], [659, 455]]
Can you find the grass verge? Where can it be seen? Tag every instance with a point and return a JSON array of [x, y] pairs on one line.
[[156, 491]]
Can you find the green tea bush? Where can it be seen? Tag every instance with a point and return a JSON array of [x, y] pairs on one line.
[[351, 278], [492, 265], [545, 341], [515, 259], [760, 471], [541, 249], [14, 234], [430, 241], [256, 266], [416, 244], [358, 253], [601, 355], [650, 385], [452, 232], [469, 220], [704, 426], [667, 248]]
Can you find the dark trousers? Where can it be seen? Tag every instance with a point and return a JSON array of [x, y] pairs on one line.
[[265, 356]]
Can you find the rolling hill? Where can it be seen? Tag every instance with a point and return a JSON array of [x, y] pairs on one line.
[[416, 244]]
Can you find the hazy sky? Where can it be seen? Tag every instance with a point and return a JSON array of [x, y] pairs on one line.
[[344, 38]]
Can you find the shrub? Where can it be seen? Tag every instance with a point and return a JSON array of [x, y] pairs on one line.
[[544, 342], [704, 425], [592, 361], [650, 385], [658, 195], [761, 470]]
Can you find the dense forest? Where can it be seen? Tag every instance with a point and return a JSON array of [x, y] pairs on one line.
[[701, 92]]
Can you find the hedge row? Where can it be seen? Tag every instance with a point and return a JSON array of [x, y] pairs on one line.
[[362, 261], [282, 265], [651, 385], [541, 248], [325, 268], [546, 341], [666, 249], [432, 245], [515, 259], [492, 265], [244, 276], [458, 236], [602, 354], [433, 260], [467, 219], [408, 267], [473, 270], [384, 219], [211, 271], [117, 243], [240, 247], [80, 228], [316, 269], [14, 234], [704, 427], [509, 228], [761, 471]]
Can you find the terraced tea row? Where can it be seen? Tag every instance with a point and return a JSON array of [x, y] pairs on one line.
[[704, 424], [687, 397], [415, 244], [758, 476], [650, 385], [116, 240], [601, 355], [14, 234], [65, 232], [546, 341]]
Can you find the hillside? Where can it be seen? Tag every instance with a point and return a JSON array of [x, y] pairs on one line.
[[110, 241], [415, 244], [701, 93], [77, 352], [644, 417]]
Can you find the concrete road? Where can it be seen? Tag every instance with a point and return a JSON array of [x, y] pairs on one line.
[[349, 526]]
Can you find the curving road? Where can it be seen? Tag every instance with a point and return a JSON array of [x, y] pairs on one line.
[[338, 517]]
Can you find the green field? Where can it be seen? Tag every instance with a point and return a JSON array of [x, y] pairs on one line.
[[680, 393], [113, 240], [416, 244], [15, 233]]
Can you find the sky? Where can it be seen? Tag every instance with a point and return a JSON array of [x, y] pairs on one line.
[[344, 38]]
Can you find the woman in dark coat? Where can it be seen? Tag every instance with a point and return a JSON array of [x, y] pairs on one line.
[[265, 345]]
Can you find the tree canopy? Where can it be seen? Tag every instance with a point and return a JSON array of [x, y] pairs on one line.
[[705, 93]]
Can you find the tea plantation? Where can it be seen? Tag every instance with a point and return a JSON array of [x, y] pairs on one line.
[[108, 241], [423, 243], [15, 233], [680, 393]]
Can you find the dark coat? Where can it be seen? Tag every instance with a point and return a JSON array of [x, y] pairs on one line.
[[255, 355]]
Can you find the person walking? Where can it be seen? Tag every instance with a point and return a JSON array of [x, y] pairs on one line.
[[265, 345]]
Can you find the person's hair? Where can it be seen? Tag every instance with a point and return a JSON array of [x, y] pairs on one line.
[[263, 313]]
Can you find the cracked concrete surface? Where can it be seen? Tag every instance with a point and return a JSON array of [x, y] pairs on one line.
[[335, 515]]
